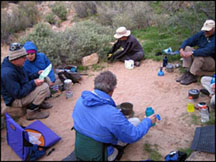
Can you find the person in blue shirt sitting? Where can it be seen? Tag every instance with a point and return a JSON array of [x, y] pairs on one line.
[[99, 123], [37, 62], [201, 60]]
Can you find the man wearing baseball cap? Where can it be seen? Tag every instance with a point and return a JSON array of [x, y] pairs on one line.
[[19, 89], [199, 61], [132, 50]]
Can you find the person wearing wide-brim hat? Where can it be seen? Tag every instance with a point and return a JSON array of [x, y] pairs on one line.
[[132, 50], [199, 61]]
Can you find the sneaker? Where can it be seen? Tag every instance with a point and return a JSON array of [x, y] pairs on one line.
[[36, 114], [189, 79], [137, 63], [45, 105], [182, 77]]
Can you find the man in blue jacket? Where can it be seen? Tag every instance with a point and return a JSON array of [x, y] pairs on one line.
[[200, 60], [20, 89], [98, 121], [37, 61]]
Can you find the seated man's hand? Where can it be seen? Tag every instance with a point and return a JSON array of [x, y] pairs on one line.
[[38, 82], [51, 84], [153, 118], [40, 71]]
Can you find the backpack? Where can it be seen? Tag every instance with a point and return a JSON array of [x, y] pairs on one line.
[[69, 72]]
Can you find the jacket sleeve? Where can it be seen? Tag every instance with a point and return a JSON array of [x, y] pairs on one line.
[[51, 75], [125, 51], [123, 130], [192, 41], [14, 88], [115, 47], [206, 51]]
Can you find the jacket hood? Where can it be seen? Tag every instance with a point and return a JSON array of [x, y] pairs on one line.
[[6, 63], [29, 45], [96, 98]]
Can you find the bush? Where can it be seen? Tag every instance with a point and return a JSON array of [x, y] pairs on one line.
[[60, 10], [134, 15], [21, 16], [50, 18], [85, 9], [69, 46]]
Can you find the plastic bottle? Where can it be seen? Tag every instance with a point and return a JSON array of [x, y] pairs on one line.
[[161, 73], [165, 61], [67, 86], [213, 79], [204, 113], [149, 111], [190, 104]]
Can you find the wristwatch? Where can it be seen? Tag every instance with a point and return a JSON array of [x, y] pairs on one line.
[[192, 52]]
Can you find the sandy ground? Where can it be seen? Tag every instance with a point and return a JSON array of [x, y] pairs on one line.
[[140, 86]]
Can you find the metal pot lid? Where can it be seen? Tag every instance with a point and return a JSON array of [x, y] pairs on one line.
[[169, 66], [194, 91]]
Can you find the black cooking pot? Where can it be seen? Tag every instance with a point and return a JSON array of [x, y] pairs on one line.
[[127, 108], [194, 93]]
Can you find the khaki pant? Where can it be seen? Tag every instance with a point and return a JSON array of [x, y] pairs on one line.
[[36, 97], [198, 65]]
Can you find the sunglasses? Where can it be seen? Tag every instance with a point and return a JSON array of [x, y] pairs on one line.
[[15, 46]]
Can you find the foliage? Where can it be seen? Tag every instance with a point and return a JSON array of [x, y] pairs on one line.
[[153, 153], [85, 9], [50, 18], [69, 46], [60, 10], [188, 151], [19, 18]]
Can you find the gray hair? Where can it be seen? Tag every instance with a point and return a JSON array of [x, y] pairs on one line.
[[106, 81]]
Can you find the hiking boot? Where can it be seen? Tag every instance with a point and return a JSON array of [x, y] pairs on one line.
[[32, 114], [45, 105], [205, 91], [190, 78], [182, 77], [137, 63]]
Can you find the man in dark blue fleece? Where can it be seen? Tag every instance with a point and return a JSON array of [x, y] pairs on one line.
[[20, 89], [132, 50], [198, 61]]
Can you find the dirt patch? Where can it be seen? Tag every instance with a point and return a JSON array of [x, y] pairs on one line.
[[140, 86]]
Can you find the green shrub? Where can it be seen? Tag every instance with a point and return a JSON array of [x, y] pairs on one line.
[[60, 10], [69, 46], [85, 9], [22, 16], [50, 18]]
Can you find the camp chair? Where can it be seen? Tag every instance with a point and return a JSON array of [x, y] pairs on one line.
[[18, 138], [98, 149]]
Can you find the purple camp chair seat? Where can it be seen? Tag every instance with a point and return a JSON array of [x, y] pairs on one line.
[[16, 136]]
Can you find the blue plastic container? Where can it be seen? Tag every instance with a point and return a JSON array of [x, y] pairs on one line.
[[149, 111], [161, 73], [213, 79]]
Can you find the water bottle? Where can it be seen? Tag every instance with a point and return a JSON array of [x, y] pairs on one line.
[[161, 73], [204, 113], [67, 86], [213, 79], [149, 111], [165, 61], [190, 104]]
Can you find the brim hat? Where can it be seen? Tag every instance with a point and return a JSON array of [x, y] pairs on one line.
[[121, 32], [208, 25], [17, 53]]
